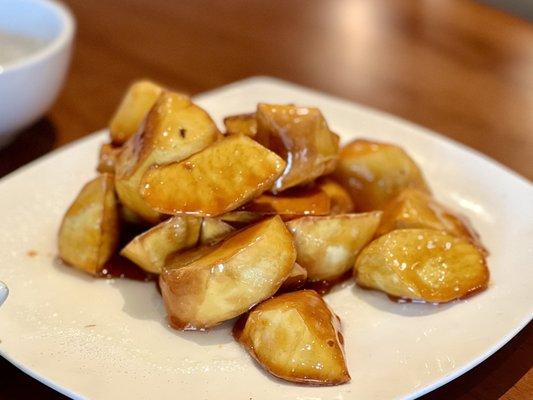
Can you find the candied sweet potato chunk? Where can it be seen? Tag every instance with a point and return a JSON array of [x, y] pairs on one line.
[[327, 246], [300, 135], [214, 181], [291, 203], [175, 128], [150, 249], [413, 208], [242, 124], [89, 233], [295, 337], [211, 284], [214, 230], [422, 264], [240, 217], [296, 278], [374, 173], [107, 158], [340, 200], [132, 111]]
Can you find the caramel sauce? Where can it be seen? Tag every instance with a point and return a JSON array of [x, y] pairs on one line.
[[239, 326], [339, 334], [244, 124], [305, 200], [404, 300], [120, 267], [400, 300], [31, 253], [292, 286], [324, 287], [472, 233], [158, 287]]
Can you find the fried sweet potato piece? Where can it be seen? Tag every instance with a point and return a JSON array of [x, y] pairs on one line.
[[295, 337], [214, 181], [291, 203], [327, 246], [89, 233], [422, 264], [175, 128], [242, 124], [340, 200], [214, 230], [107, 158], [150, 249], [374, 173], [296, 278], [413, 208], [300, 135], [212, 284], [240, 217], [137, 102]]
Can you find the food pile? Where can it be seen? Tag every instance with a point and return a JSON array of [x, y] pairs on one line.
[[245, 223]]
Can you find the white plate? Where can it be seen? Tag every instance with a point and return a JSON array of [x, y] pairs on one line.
[[99, 339]]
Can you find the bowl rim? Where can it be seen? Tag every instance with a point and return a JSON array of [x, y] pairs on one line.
[[62, 40]]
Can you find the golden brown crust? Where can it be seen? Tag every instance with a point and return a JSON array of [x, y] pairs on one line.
[[340, 200], [175, 128], [291, 203], [300, 135], [374, 173], [296, 337], [214, 181], [422, 264], [130, 114], [214, 283], [241, 124], [327, 246], [89, 232], [414, 208]]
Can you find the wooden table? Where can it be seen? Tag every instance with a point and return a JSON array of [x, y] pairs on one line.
[[453, 66]]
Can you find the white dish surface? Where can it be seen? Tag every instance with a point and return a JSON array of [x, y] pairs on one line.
[[107, 339]]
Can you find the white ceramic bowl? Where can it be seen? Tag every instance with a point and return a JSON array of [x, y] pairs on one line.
[[29, 86]]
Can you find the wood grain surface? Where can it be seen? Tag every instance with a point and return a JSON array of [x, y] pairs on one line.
[[454, 66]]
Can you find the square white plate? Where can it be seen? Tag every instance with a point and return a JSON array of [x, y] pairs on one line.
[[108, 339]]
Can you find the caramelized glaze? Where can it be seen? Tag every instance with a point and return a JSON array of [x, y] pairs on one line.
[[340, 200], [296, 337], [323, 287], [161, 141], [210, 284], [212, 182], [300, 135], [413, 209], [120, 267], [242, 124], [327, 246], [293, 202], [374, 173], [422, 264]]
